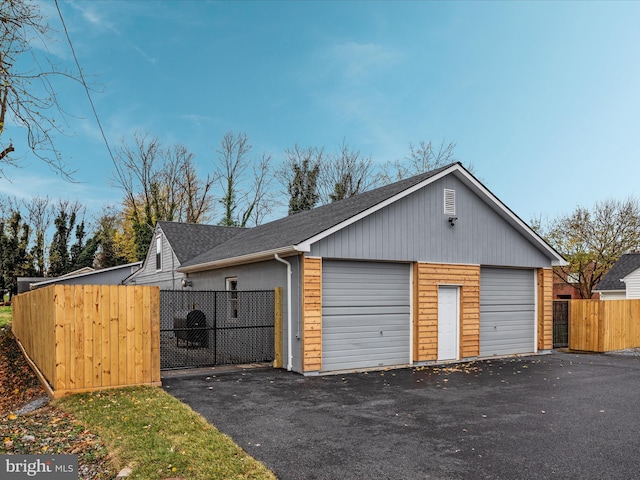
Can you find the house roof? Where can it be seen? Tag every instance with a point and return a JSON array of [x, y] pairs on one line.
[[82, 272], [627, 264], [189, 240], [295, 233]]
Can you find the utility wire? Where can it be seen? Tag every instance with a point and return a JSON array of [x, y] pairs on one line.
[[86, 87]]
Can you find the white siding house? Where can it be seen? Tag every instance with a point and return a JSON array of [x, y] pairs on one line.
[[613, 295], [623, 280], [632, 282]]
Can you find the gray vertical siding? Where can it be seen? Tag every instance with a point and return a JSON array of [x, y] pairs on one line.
[[167, 278], [263, 276], [416, 229]]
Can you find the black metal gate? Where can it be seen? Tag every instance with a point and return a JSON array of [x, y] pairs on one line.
[[560, 323], [207, 328]]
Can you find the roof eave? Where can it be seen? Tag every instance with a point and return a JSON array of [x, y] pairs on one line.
[[240, 260], [85, 274], [557, 260]]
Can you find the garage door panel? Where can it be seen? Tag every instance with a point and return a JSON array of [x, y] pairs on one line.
[[343, 312], [510, 310], [360, 300], [331, 328], [372, 359], [360, 346], [396, 328], [507, 311]]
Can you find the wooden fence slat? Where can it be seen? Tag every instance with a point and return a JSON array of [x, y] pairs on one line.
[[62, 338], [155, 335], [105, 344], [88, 337], [131, 345], [87, 316], [145, 338], [96, 338], [114, 353], [79, 356], [604, 325], [122, 337]]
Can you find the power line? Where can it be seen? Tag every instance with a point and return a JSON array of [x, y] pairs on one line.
[[86, 87]]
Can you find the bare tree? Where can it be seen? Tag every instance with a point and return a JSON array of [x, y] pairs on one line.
[[243, 181], [421, 158], [159, 184], [197, 204], [136, 173], [344, 174], [27, 97], [262, 198], [39, 213], [593, 240]]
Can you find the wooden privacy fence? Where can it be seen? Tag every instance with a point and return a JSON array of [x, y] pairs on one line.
[[89, 337], [604, 325]]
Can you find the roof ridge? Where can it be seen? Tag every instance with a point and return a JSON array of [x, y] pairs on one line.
[[296, 228]]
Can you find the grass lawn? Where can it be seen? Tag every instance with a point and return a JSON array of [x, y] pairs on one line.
[[144, 428], [5, 316], [160, 437]]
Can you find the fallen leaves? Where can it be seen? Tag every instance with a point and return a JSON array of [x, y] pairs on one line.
[[47, 430]]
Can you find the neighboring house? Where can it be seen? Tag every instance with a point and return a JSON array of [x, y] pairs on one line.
[[89, 276], [566, 287], [623, 280], [433, 268], [172, 244], [24, 283]]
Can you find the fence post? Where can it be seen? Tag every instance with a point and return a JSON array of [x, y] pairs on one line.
[[215, 327], [277, 331]]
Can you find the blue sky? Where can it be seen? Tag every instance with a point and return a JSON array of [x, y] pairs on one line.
[[543, 98]]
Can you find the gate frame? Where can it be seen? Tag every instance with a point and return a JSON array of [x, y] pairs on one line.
[[277, 326]]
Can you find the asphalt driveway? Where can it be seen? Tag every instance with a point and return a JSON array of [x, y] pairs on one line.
[[560, 416]]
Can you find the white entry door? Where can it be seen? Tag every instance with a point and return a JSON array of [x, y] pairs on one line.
[[448, 314]]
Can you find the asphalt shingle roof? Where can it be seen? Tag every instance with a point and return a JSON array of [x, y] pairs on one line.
[[628, 263], [297, 228], [189, 240]]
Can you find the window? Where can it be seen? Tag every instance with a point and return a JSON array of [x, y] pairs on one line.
[[449, 201], [232, 288], [573, 278], [158, 253]]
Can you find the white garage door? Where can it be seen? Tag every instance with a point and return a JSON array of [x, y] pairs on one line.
[[507, 311], [365, 315]]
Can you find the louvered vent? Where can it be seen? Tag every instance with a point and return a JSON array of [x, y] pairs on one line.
[[449, 201]]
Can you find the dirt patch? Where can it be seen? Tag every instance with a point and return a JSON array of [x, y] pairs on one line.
[[29, 425]]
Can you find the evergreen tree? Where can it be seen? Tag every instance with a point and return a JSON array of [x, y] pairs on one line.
[[78, 248], [344, 188], [87, 258], [303, 185], [59, 257], [16, 261]]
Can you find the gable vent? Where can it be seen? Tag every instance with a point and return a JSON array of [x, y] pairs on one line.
[[449, 201]]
